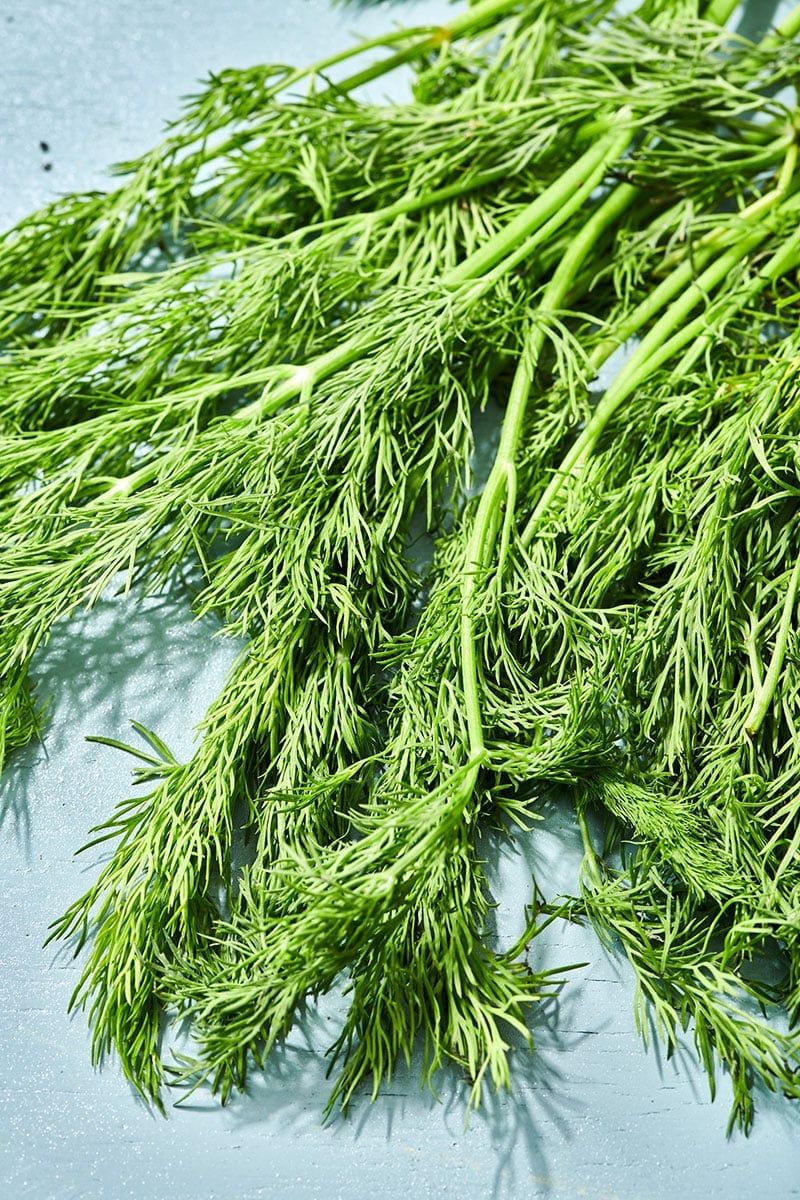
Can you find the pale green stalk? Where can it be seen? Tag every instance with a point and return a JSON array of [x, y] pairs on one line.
[[476, 18], [719, 12], [669, 335], [785, 30], [697, 257]]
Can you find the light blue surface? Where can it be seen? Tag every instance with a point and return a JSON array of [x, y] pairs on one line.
[[592, 1114]]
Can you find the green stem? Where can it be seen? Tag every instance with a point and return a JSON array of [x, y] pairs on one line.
[[719, 12], [591, 861], [766, 691], [422, 36], [787, 29], [425, 38], [669, 335], [501, 485], [557, 202], [701, 253], [398, 208], [785, 260], [475, 19], [410, 204], [676, 282]]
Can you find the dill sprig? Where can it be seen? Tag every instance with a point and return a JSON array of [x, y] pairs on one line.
[[262, 356]]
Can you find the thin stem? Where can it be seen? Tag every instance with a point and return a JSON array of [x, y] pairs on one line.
[[425, 39], [422, 34], [766, 691], [591, 860], [752, 654], [784, 181], [548, 211], [785, 260], [675, 283], [410, 204], [501, 484]]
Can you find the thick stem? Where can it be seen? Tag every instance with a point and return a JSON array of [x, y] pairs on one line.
[[563, 197], [669, 335], [682, 275], [786, 29], [719, 12]]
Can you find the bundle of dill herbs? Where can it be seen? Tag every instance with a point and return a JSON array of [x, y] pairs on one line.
[[264, 353]]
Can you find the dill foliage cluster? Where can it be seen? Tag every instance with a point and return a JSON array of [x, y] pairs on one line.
[[263, 353]]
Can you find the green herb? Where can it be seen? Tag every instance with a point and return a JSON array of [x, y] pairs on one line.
[[263, 355]]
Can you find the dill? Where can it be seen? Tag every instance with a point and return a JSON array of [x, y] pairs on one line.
[[263, 354]]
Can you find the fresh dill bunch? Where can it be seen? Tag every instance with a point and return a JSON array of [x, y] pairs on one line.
[[242, 999], [263, 355]]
